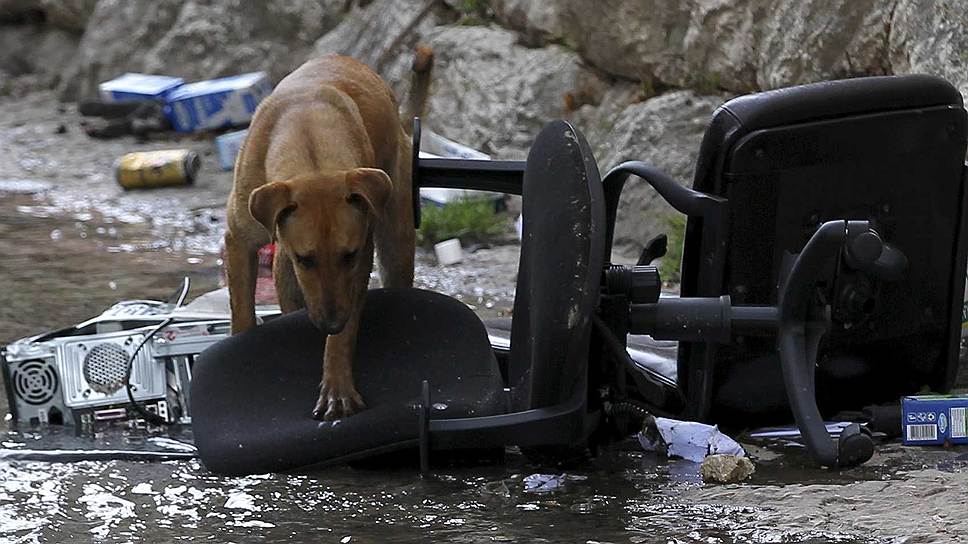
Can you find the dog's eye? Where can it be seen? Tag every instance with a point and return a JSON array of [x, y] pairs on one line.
[[306, 261], [348, 256]]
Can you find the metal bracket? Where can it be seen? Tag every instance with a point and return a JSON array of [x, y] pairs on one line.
[[423, 416]]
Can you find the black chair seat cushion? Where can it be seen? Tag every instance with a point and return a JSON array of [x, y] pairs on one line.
[[253, 393]]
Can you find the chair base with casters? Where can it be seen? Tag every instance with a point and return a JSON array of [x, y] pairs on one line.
[[824, 256], [823, 266]]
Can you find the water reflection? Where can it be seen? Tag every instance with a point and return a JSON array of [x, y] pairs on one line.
[[621, 496]]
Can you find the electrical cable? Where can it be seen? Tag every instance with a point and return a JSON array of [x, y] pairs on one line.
[[149, 417]]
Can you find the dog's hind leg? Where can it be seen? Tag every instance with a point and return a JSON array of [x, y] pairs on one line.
[[395, 247], [287, 287], [395, 236], [396, 258], [241, 266]]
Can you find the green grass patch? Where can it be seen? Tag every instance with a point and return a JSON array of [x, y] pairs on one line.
[[480, 8], [675, 224], [469, 220], [474, 12]]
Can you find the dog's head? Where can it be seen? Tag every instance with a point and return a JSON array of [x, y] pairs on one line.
[[323, 222]]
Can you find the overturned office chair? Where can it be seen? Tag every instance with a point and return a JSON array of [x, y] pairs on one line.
[[832, 216], [823, 262]]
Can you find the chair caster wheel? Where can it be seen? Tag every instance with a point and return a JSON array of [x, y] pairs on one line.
[[856, 446]]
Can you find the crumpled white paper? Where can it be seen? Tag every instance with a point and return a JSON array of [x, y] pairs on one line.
[[690, 440], [547, 483]]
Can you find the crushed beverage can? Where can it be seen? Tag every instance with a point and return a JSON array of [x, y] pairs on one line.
[[164, 168]]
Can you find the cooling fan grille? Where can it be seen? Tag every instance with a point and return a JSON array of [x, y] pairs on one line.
[[34, 382], [105, 367]]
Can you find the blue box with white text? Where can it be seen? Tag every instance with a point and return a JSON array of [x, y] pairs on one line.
[[934, 419], [217, 103]]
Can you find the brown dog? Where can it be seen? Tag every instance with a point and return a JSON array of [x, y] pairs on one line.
[[324, 171]]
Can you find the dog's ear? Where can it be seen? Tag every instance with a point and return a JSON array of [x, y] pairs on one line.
[[270, 204], [369, 187]]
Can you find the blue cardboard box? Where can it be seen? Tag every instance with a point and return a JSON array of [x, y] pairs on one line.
[[227, 146], [217, 103], [133, 86], [934, 419]]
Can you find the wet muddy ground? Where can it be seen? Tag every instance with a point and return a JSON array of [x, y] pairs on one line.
[[72, 243]]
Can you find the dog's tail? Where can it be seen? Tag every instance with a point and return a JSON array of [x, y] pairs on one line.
[[420, 76]]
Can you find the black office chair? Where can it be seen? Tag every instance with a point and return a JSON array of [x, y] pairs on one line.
[[424, 364], [830, 218]]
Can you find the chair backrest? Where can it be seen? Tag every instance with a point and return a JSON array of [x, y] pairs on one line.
[[560, 269], [890, 150]]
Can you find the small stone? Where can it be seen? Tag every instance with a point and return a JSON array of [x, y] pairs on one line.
[[726, 469]]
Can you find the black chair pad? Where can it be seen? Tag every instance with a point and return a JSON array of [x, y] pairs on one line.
[[253, 393]]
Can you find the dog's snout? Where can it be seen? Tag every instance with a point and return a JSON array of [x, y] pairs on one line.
[[329, 325], [333, 326]]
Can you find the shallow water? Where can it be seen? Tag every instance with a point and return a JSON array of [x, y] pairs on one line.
[[621, 496], [73, 243]]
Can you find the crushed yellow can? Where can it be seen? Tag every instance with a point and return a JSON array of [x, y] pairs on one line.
[[164, 168]]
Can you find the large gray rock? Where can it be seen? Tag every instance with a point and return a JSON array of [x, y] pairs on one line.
[[640, 41], [493, 94], [197, 39], [813, 40], [33, 49], [380, 33], [931, 37], [223, 38], [720, 45], [709, 45], [32, 57], [66, 14], [539, 22], [664, 131]]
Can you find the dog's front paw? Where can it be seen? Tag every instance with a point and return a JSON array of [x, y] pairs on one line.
[[336, 401]]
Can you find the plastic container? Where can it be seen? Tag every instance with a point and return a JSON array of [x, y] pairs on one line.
[[449, 252], [227, 146]]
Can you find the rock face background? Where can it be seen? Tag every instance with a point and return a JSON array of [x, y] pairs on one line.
[[639, 77]]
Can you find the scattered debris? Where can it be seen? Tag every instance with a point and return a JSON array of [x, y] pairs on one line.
[[884, 418], [548, 483], [935, 419], [689, 440], [157, 168], [138, 118], [138, 87], [227, 146], [499, 488], [217, 103], [792, 432], [449, 252], [109, 110], [435, 144], [139, 104], [726, 469]]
